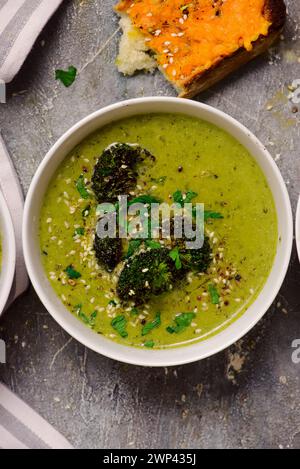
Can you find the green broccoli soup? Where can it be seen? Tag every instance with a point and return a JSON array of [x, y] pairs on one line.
[[154, 292]]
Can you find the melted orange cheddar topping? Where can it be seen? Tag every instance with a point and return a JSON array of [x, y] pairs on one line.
[[189, 37]]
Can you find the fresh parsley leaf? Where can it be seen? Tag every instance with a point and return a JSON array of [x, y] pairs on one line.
[[83, 317], [80, 313], [119, 324], [67, 77], [178, 197], [181, 198], [133, 246], [152, 325], [80, 186], [190, 195], [175, 256], [182, 321], [150, 243], [72, 273], [149, 344], [79, 231], [78, 308], [214, 295], [93, 316], [90, 321], [212, 215]]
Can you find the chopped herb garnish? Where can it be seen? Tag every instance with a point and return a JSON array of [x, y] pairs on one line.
[[212, 215], [150, 243], [184, 198], [119, 324], [86, 211], [151, 325], [134, 312], [79, 231], [214, 295], [90, 321], [78, 309], [72, 273], [149, 344], [80, 186], [175, 256], [83, 317], [133, 246], [93, 317], [67, 77], [182, 321]]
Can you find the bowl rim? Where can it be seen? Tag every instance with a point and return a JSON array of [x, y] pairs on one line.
[[169, 357], [8, 241]]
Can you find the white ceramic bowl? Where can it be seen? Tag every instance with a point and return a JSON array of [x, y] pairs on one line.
[[298, 228], [99, 343], [8, 243]]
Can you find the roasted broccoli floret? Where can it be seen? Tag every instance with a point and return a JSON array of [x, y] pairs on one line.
[[108, 252], [148, 273], [116, 172], [159, 270], [197, 260]]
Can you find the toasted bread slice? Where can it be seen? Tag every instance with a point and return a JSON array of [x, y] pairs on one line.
[[198, 42]]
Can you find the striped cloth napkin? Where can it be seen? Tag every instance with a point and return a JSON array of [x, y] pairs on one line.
[[21, 21], [22, 428]]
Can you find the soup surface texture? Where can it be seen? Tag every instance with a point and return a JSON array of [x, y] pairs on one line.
[[191, 156]]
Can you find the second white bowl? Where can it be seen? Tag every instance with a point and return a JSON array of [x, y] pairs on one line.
[[8, 244]]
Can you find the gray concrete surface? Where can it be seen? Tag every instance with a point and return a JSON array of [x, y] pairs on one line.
[[247, 396]]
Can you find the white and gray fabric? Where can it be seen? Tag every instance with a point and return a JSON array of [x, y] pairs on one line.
[[21, 22], [11, 189], [22, 428]]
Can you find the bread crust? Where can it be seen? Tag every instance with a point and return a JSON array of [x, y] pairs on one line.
[[275, 13]]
